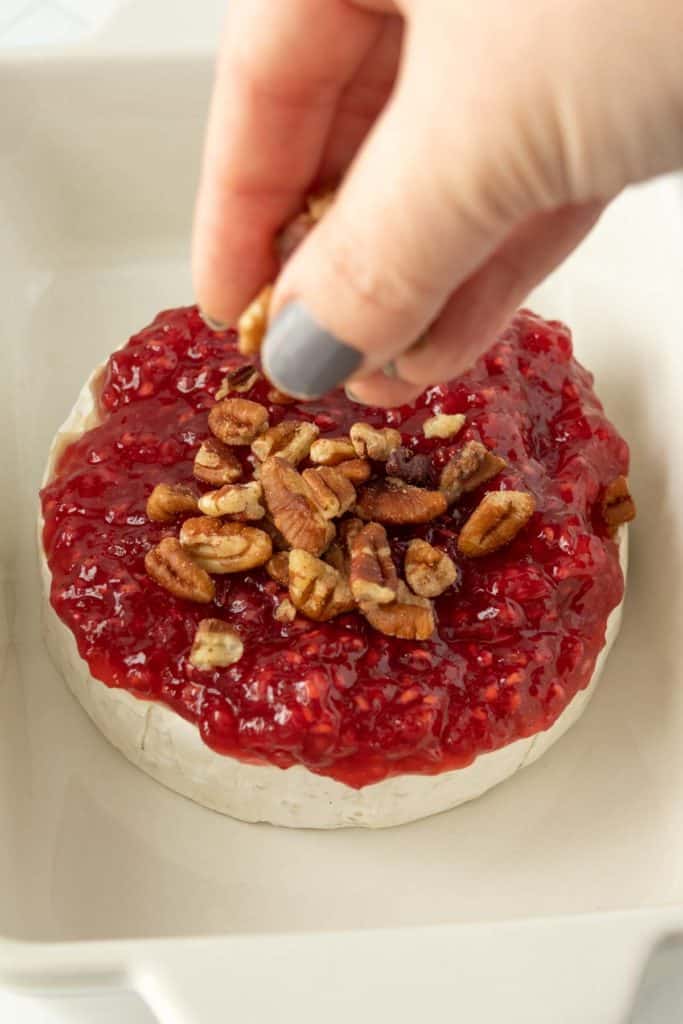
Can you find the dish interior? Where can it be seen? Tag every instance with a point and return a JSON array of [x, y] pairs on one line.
[[94, 223]]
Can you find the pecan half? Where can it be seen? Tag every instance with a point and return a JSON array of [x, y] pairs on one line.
[[225, 547], [238, 381], [216, 645], [332, 492], [355, 470], [429, 571], [240, 500], [373, 573], [251, 326], [215, 464], [497, 519], [291, 440], [285, 611], [408, 617], [406, 465], [329, 451], [237, 420], [172, 568], [373, 443], [292, 507], [473, 465], [315, 588], [170, 500], [443, 425], [277, 568], [393, 501], [618, 506]]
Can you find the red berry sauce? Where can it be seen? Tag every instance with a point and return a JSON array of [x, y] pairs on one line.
[[517, 636]]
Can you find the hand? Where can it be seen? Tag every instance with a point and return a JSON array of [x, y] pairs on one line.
[[477, 143]]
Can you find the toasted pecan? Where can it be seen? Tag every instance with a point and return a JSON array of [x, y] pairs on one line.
[[496, 521], [472, 466], [216, 645], [173, 569], [429, 571], [293, 508], [224, 547], [315, 588], [237, 420], [394, 501], [373, 575], [170, 500]]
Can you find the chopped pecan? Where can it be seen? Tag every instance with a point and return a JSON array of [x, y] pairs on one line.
[[315, 588], [216, 645], [497, 519], [251, 326], [393, 501], [355, 470], [225, 547], [618, 506], [332, 492], [170, 500], [238, 381], [277, 568], [473, 465], [278, 397], [429, 571], [408, 617], [291, 440], [330, 451], [172, 568], [215, 464], [237, 420], [406, 465], [373, 443], [285, 611], [240, 500], [292, 507], [373, 575], [443, 425]]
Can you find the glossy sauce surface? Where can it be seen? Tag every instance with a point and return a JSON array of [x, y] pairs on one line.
[[517, 636]]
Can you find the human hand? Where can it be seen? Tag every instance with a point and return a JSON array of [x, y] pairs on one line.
[[477, 145]]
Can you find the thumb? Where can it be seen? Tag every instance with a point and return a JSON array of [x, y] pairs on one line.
[[410, 222]]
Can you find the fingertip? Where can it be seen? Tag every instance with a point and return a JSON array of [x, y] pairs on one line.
[[379, 390]]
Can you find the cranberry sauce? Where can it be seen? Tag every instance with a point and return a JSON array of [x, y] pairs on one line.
[[517, 636]]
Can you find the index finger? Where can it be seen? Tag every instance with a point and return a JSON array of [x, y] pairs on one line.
[[280, 72]]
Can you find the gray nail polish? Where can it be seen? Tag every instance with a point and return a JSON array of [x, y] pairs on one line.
[[213, 325], [304, 359]]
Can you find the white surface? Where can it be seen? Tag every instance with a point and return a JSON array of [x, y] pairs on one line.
[[92, 243], [168, 748]]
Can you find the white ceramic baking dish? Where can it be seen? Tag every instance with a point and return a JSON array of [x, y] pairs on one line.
[[546, 892]]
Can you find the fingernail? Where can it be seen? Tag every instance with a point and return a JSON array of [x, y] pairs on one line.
[[352, 396], [214, 325], [304, 359]]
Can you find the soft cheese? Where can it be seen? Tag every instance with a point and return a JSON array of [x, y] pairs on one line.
[[170, 749]]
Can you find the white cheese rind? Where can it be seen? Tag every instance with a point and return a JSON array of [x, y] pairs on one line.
[[170, 749]]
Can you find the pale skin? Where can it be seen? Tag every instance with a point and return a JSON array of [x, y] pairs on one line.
[[476, 145]]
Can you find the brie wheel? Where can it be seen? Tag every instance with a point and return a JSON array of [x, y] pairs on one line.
[[170, 749]]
